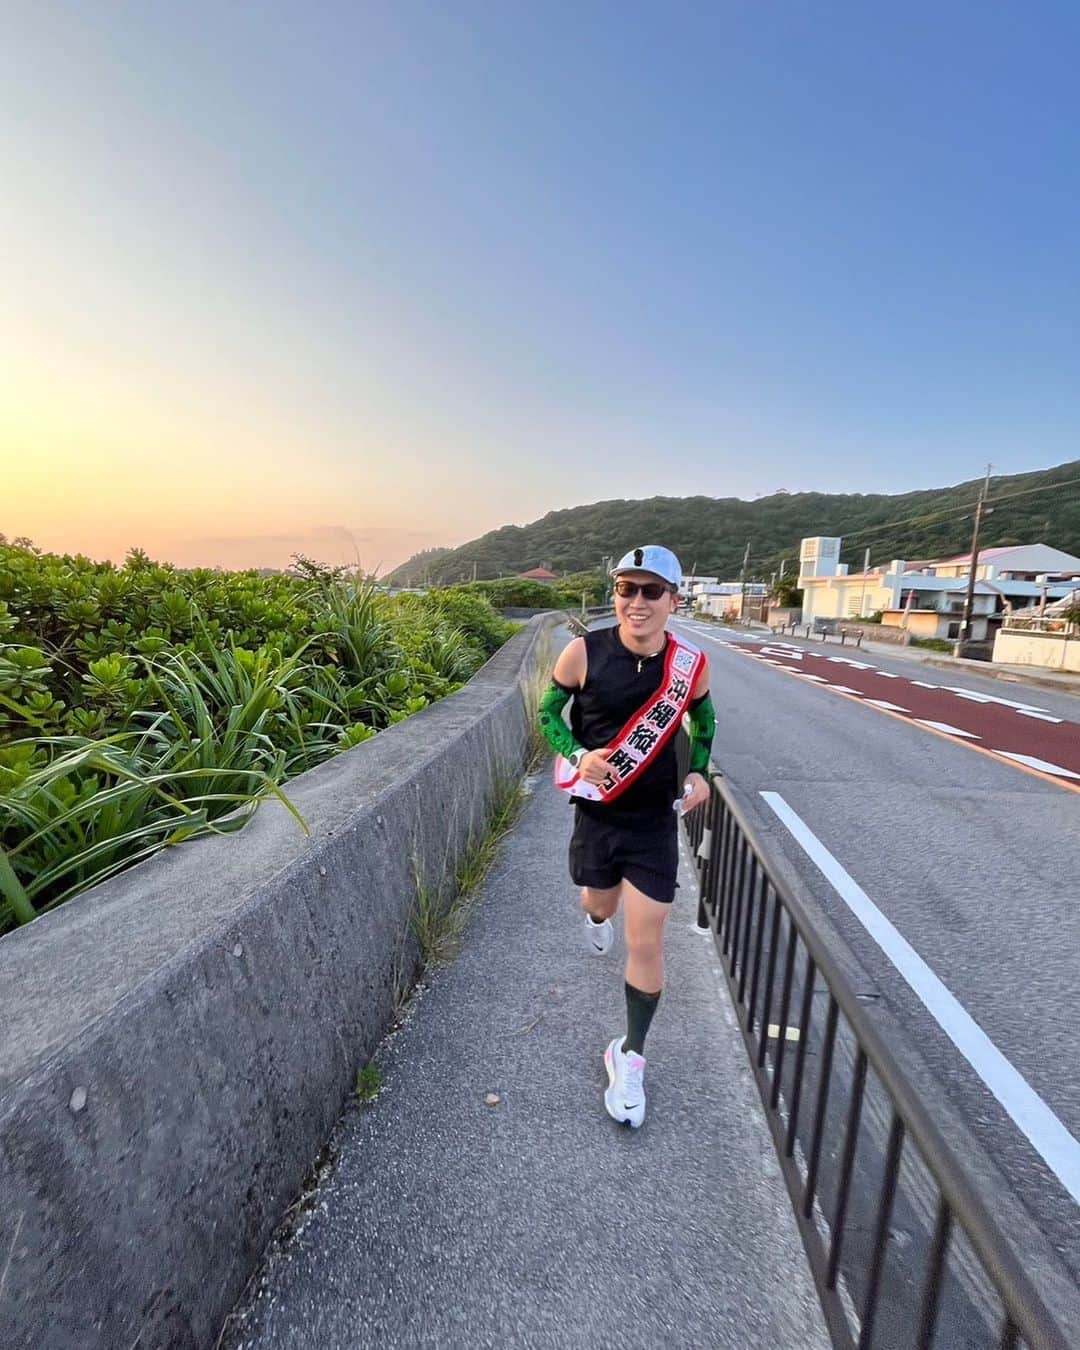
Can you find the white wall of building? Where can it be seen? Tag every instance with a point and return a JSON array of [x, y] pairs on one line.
[[1050, 651]]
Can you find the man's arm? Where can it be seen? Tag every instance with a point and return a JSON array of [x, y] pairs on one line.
[[702, 729], [567, 677]]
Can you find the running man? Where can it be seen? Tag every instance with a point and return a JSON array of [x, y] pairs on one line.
[[630, 685]]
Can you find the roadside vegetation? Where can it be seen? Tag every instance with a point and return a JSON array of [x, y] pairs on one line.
[[523, 593], [142, 705]]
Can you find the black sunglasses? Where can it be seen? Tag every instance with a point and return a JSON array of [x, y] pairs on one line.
[[651, 590]]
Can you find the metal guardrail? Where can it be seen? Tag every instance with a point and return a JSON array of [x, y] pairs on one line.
[[862, 1141]]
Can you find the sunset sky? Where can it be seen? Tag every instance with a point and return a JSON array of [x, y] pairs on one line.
[[356, 279]]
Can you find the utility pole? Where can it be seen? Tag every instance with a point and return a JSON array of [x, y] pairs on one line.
[[865, 569], [969, 599], [742, 580]]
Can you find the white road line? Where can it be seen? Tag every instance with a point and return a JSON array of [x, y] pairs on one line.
[[804, 676], [1031, 1115], [923, 685], [1041, 764], [947, 729], [1039, 716], [846, 689], [992, 698], [889, 707], [847, 661], [888, 675]]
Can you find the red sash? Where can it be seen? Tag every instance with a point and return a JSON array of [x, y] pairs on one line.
[[647, 731]]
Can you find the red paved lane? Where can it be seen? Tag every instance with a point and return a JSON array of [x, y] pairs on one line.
[[1021, 733]]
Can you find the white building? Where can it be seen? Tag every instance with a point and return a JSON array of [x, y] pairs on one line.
[[723, 599], [927, 598], [690, 583]]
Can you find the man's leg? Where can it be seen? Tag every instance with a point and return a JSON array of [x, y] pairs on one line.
[[644, 920], [600, 904]]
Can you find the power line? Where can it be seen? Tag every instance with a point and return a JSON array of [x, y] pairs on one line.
[[957, 510]]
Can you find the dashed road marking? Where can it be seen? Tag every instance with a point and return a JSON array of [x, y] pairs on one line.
[[946, 729], [888, 675], [1050, 773], [992, 698], [1041, 764]]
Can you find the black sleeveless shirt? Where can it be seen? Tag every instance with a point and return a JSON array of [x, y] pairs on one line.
[[615, 688]]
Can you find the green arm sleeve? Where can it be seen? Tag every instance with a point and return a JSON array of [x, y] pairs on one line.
[[552, 727], [702, 730]]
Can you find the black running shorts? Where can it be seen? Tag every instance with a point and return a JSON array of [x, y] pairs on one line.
[[647, 856]]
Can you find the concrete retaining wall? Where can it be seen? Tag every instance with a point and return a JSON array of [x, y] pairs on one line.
[[1049, 651], [885, 632], [179, 1041]]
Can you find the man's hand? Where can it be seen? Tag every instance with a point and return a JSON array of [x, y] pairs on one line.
[[698, 794], [594, 767]]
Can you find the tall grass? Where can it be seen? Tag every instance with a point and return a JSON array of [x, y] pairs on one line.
[[442, 903]]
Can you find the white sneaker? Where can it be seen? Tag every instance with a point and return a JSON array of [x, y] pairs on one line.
[[598, 936], [625, 1096]]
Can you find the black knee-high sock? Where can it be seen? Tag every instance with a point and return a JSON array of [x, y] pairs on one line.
[[639, 1013]]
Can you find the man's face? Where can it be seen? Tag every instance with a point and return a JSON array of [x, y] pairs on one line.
[[637, 613]]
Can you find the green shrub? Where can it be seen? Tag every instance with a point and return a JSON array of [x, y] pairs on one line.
[[143, 704]]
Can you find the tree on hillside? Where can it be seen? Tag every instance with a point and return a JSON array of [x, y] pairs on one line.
[[714, 531]]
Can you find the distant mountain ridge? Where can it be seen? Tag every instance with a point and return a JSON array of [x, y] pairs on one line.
[[710, 533]]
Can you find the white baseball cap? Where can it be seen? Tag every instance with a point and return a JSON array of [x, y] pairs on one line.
[[652, 558]]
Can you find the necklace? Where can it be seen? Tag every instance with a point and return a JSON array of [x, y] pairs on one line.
[[643, 659]]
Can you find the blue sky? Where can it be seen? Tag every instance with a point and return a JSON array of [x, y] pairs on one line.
[[409, 272]]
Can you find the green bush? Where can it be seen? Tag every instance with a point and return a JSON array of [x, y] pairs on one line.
[[141, 705], [522, 593]]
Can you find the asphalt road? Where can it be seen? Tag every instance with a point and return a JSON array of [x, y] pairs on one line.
[[953, 804]]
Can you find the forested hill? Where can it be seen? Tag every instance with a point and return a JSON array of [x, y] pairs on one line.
[[712, 532]]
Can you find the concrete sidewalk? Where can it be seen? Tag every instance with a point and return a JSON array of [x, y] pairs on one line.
[[539, 1222]]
